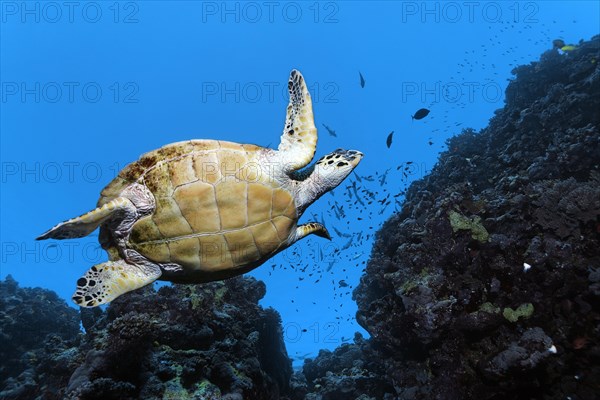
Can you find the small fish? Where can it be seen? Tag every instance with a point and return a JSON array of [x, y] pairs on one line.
[[383, 177], [420, 114], [388, 141], [405, 165], [343, 283], [356, 193], [340, 210], [382, 201], [337, 213], [330, 131], [362, 80], [339, 233], [348, 244], [330, 266]]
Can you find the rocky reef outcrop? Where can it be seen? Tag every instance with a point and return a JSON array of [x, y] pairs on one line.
[[39, 335], [208, 341], [349, 372], [487, 284]]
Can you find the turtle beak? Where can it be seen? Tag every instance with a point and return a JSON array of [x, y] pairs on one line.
[[353, 157]]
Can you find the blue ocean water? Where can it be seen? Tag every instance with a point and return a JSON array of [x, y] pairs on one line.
[[86, 87]]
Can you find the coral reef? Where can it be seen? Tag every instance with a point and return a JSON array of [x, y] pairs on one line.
[[485, 285], [38, 338], [343, 374], [186, 341], [207, 341]]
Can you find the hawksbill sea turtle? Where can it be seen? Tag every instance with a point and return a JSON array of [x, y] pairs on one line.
[[205, 210]]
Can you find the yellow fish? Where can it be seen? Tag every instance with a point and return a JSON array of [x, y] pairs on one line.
[[568, 47]]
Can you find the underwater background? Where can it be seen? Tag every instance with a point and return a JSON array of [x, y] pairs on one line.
[[87, 87]]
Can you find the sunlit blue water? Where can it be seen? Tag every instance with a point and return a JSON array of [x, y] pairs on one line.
[[89, 86]]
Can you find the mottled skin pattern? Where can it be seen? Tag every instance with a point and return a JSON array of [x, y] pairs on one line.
[[219, 208]]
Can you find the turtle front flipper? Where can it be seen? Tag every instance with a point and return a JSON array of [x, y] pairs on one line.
[[299, 138], [85, 224], [105, 282]]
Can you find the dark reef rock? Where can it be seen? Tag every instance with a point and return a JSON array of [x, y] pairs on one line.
[[207, 341], [37, 334], [185, 341], [453, 310], [487, 284], [344, 374]]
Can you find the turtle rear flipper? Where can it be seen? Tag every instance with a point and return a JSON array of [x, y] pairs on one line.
[[105, 282], [312, 228], [85, 224]]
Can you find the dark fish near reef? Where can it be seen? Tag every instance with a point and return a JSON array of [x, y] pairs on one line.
[[420, 114], [362, 80], [389, 139]]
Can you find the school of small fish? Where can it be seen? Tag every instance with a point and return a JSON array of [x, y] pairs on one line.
[[331, 264]]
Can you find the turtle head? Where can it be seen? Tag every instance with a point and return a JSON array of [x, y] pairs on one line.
[[334, 167], [326, 174]]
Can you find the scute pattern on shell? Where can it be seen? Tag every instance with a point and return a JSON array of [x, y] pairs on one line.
[[132, 172], [201, 220]]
